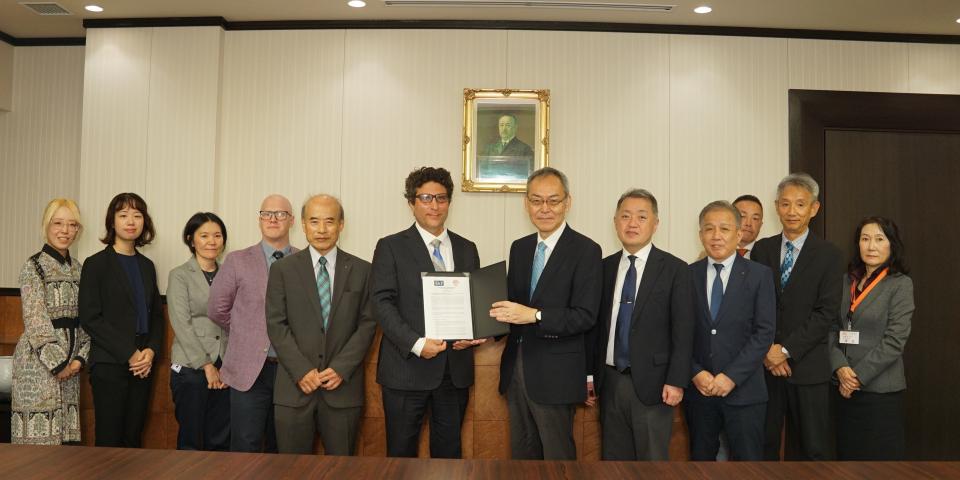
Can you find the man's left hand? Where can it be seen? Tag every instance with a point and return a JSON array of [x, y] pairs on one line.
[[722, 385], [510, 312], [330, 379], [672, 395], [464, 344]]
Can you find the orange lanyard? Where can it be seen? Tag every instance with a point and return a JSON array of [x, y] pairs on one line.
[[853, 290]]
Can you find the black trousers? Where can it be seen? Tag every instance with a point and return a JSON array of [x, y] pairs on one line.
[[203, 414], [806, 410], [251, 414], [120, 402], [298, 426], [631, 430], [403, 412], [870, 426], [709, 417], [538, 431]]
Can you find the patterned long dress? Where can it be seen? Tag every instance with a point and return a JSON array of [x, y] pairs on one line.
[[45, 410]]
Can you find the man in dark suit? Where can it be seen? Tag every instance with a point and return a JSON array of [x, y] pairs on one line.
[[320, 321], [734, 323], [508, 144], [554, 294], [416, 372], [807, 272], [639, 351]]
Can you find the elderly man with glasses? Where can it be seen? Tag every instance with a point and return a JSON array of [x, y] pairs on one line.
[[236, 303]]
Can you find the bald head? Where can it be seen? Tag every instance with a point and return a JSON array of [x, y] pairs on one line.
[[321, 199], [276, 202], [275, 228], [322, 217]]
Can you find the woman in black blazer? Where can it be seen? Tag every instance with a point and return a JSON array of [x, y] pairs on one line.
[[120, 308]]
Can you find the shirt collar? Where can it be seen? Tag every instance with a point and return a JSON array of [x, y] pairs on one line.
[[749, 247], [56, 255], [331, 256], [727, 262], [797, 243], [429, 237], [554, 237], [643, 254], [268, 249]]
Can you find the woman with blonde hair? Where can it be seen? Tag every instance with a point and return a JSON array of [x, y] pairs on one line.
[[53, 347]]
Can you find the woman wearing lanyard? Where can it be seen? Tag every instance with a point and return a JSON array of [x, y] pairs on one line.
[[121, 310], [866, 347], [202, 401]]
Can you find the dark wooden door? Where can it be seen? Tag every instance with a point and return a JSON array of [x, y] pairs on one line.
[[898, 155]]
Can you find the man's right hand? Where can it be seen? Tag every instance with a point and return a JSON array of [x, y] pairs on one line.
[[702, 381], [310, 382], [432, 347]]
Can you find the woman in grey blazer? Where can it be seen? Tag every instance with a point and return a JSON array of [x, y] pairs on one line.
[[201, 400], [866, 347]]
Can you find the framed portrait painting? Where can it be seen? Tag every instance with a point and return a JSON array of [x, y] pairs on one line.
[[506, 136]]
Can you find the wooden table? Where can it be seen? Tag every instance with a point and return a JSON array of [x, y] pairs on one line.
[[23, 462]]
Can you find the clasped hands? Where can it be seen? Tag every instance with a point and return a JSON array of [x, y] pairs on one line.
[[713, 386], [848, 381], [141, 362], [328, 379], [776, 361], [69, 371]]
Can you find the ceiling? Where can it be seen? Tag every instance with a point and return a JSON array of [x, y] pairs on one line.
[[889, 16]]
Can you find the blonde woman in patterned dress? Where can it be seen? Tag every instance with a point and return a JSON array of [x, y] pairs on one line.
[[53, 348]]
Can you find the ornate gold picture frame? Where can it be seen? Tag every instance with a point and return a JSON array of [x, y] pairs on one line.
[[506, 136]]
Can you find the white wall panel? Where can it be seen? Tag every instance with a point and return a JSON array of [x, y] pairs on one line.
[[281, 124], [935, 68], [39, 148], [403, 97], [609, 125], [728, 127], [859, 66]]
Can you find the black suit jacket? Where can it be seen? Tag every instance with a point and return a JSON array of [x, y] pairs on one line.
[[295, 327], [741, 336], [808, 306], [107, 311], [568, 296], [661, 332], [398, 307]]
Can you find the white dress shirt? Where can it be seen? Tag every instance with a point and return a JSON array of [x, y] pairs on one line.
[[640, 263], [724, 274], [797, 245], [749, 249], [551, 242], [331, 257], [446, 251]]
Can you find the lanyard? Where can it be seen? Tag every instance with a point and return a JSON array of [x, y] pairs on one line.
[[859, 299]]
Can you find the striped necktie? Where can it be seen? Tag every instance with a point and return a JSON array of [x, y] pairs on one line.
[[436, 257], [323, 288]]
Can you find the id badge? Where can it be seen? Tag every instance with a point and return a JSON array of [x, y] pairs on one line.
[[849, 337]]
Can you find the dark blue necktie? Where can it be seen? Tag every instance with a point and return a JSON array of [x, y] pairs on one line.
[[716, 293], [621, 346]]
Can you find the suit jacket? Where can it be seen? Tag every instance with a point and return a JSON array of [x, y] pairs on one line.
[[736, 343], [398, 307], [883, 320], [808, 306], [515, 147], [661, 329], [197, 341], [237, 304], [568, 296], [295, 327], [107, 312]]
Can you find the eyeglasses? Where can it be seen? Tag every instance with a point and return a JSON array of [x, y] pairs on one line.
[[551, 202], [280, 215], [68, 226], [429, 198]]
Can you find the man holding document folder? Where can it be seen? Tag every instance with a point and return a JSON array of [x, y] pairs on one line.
[[416, 372]]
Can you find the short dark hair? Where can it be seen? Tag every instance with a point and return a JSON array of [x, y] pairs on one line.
[[546, 172], [422, 175], [128, 200], [748, 198], [195, 222], [720, 205], [640, 193], [857, 269]]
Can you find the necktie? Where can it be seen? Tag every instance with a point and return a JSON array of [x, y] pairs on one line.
[[277, 255], [538, 263], [716, 293], [621, 346], [742, 252], [437, 259], [323, 288], [787, 265]]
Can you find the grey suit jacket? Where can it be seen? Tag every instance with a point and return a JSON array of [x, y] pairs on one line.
[[197, 340], [883, 320], [295, 327]]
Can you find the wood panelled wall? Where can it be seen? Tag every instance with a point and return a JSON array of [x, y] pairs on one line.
[[486, 432]]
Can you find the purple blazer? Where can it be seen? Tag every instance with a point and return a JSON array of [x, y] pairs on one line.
[[237, 304]]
